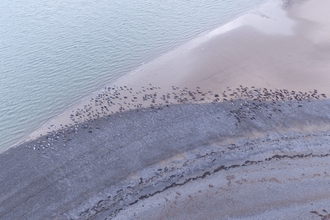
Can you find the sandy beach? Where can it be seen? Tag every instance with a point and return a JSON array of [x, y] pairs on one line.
[[232, 125], [274, 47]]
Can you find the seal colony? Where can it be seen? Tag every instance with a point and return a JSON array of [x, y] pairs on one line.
[[150, 161], [115, 100], [122, 98]]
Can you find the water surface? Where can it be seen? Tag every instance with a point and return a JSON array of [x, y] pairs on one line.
[[53, 53]]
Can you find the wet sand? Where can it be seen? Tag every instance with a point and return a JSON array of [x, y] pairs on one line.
[[171, 162], [250, 154]]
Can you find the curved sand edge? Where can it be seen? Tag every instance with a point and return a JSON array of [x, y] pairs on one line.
[[276, 46], [128, 163]]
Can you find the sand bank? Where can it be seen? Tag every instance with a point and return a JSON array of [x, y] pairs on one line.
[[173, 161], [275, 46], [272, 47]]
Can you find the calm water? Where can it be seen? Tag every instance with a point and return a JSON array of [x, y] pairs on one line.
[[53, 53]]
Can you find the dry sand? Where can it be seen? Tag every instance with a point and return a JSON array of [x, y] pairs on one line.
[[197, 161]]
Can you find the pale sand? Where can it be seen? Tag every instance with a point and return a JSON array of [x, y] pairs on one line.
[[256, 52]]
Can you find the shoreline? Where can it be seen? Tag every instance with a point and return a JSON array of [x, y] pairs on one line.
[[136, 78], [237, 53]]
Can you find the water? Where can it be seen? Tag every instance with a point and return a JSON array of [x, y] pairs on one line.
[[53, 53]]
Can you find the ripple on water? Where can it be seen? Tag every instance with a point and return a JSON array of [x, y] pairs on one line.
[[53, 53]]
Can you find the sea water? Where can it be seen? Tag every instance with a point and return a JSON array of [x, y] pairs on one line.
[[53, 53]]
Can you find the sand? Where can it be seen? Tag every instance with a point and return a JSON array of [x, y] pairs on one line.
[[196, 161], [282, 49]]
